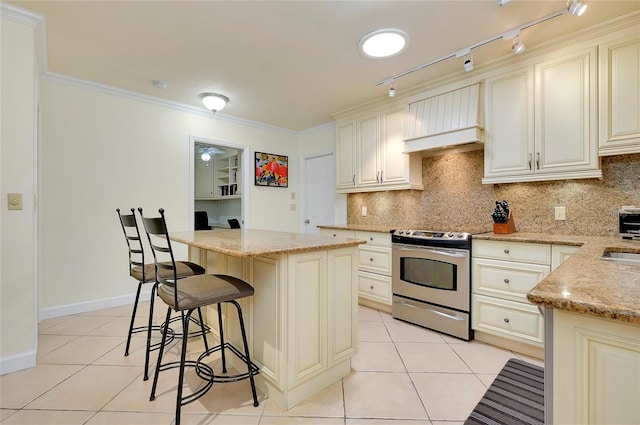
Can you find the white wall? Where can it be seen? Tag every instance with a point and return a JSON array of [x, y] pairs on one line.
[[18, 302], [100, 152]]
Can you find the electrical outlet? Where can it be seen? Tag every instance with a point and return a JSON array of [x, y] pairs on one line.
[[364, 211], [293, 207], [561, 213]]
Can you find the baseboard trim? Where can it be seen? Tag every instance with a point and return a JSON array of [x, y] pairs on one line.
[[66, 310], [17, 362]]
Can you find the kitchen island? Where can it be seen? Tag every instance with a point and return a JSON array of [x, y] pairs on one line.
[[592, 331], [302, 319]]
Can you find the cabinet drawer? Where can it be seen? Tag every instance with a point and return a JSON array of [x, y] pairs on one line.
[[375, 259], [337, 233], [513, 251], [375, 238], [374, 286], [508, 319], [506, 279]]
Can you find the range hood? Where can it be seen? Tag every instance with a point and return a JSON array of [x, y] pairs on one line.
[[446, 123]]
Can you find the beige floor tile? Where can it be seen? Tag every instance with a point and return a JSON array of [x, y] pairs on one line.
[[89, 389], [451, 340], [5, 413], [48, 343], [137, 351], [83, 350], [221, 419], [20, 388], [487, 378], [381, 395], [135, 397], [47, 323], [48, 417], [406, 332], [532, 360], [124, 310], [429, 357], [377, 356], [366, 314], [447, 423], [483, 358], [373, 331], [78, 325], [327, 403], [119, 326], [386, 422], [297, 420], [137, 418], [229, 398], [448, 396]]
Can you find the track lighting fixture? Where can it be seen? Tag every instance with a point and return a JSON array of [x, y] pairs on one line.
[[517, 45], [503, 2], [468, 63], [214, 101], [392, 89], [576, 7]]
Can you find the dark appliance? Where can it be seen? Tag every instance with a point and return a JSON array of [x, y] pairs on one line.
[[431, 280], [629, 223]]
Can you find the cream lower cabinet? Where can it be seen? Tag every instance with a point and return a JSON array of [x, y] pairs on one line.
[[502, 274], [541, 121], [374, 266], [619, 62], [596, 370], [301, 322]]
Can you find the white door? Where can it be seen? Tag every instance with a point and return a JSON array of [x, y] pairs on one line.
[[319, 192]]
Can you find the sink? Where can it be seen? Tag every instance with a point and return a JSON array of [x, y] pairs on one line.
[[625, 257]]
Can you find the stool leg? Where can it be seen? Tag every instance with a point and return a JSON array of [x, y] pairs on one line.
[[160, 352], [220, 327], [204, 333], [183, 356], [246, 353], [133, 319], [149, 327]]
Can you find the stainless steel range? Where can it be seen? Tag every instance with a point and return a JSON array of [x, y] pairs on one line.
[[431, 280]]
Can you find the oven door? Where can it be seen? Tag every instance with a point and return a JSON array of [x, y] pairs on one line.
[[438, 276]]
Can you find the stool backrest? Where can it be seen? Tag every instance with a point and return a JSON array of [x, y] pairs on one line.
[[234, 223], [134, 243], [156, 230]]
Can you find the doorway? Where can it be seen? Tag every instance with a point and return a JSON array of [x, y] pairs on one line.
[[218, 183], [320, 190]]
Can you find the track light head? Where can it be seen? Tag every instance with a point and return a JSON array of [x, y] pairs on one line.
[[392, 89], [468, 63], [517, 45], [576, 7], [503, 2]]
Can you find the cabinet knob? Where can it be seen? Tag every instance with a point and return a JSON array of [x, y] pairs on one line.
[[506, 281], [506, 251], [370, 259], [371, 239], [506, 320], [334, 235], [371, 287]]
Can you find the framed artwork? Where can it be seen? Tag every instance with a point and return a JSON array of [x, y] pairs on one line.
[[272, 170]]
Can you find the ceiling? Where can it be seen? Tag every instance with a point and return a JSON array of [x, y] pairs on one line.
[[290, 64]]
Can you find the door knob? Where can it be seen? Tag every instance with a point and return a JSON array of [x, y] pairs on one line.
[[307, 221]]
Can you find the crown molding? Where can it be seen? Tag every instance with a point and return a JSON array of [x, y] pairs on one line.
[[32, 19], [317, 129]]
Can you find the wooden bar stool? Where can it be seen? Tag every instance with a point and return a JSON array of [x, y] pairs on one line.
[[146, 273], [185, 296]]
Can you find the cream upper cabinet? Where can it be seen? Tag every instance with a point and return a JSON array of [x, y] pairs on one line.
[[346, 155], [370, 154], [541, 121], [203, 182], [619, 96]]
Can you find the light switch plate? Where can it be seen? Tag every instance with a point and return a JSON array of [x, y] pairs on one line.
[[364, 211], [14, 200]]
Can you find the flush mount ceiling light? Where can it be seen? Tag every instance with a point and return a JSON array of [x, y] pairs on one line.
[[214, 101], [576, 7], [383, 43]]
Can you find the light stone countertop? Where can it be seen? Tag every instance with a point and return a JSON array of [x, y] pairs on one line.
[[360, 227], [584, 283], [253, 242]]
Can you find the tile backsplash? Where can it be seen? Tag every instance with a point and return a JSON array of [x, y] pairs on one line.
[[455, 199]]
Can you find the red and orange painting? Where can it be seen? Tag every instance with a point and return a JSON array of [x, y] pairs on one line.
[[272, 170]]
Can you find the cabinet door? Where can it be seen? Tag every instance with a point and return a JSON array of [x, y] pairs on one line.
[[620, 97], [508, 148], [203, 184], [345, 155], [394, 165], [560, 253], [565, 116], [367, 151]]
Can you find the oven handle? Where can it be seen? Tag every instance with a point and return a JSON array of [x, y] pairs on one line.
[[448, 316], [433, 251]]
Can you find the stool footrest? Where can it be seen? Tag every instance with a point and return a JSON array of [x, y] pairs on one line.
[[207, 374], [192, 334]]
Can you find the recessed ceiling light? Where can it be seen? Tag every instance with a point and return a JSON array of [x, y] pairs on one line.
[[383, 43]]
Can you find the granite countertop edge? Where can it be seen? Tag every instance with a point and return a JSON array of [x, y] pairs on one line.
[[584, 283]]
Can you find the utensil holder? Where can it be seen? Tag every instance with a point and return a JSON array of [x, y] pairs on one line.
[[505, 228]]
